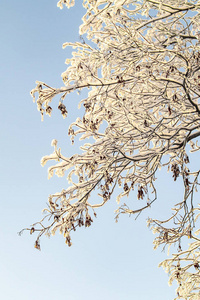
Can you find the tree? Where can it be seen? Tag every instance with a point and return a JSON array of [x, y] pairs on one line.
[[140, 61]]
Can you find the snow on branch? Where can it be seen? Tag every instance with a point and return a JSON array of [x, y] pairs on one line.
[[141, 68]]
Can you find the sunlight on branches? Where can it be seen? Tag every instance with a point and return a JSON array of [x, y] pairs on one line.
[[140, 61]]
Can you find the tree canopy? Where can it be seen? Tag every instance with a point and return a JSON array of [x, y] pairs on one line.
[[140, 62]]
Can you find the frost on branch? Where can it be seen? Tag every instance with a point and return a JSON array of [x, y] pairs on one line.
[[140, 61], [68, 3]]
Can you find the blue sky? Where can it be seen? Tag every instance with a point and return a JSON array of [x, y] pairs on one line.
[[108, 260]]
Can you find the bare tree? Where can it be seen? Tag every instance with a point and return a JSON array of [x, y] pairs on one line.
[[140, 60]]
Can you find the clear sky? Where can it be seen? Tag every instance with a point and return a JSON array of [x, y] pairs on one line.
[[106, 261]]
